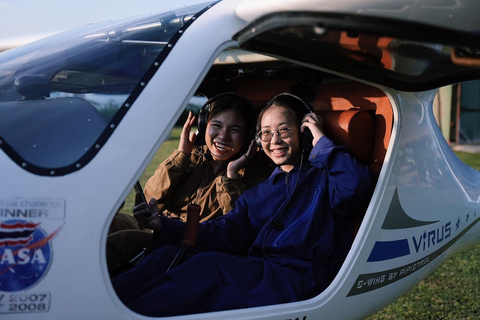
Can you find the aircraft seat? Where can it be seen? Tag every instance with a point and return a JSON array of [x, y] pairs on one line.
[[260, 91], [32, 86], [352, 129], [349, 95], [359, 117]]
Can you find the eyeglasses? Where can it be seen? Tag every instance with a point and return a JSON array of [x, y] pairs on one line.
[[267, 135]]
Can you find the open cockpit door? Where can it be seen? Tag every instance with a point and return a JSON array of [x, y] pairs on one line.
[[401, 54]]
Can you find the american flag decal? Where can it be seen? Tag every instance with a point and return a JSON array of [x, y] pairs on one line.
[[17, 233]]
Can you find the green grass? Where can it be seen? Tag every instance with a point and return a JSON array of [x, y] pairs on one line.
[[472, 159], [165, 150], [451, 292]]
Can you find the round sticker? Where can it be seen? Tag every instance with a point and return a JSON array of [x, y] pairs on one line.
[[25, 254]]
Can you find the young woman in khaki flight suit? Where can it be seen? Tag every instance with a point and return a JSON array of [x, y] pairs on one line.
[[212, 174]]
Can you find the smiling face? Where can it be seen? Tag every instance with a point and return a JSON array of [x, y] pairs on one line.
[[225, 135], [282, 151]]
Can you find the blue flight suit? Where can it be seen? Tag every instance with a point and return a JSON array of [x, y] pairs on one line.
[[295, 246]]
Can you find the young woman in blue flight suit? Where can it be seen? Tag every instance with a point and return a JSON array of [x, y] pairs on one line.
[[297, 227]]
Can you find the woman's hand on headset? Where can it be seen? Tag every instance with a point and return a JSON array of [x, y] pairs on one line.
[[240, 163], [187, 138], [314, 123]]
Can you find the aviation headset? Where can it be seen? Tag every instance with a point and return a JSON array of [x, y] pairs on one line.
[[298, 106], [232, 98]]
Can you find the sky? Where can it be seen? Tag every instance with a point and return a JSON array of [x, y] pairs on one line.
[[21, 18]]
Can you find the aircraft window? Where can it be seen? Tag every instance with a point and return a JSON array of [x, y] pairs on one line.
[[72, 90], [408, 58]]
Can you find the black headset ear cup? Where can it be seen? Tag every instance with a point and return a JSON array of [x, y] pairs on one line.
[[202, 125], [306, 138], [258, 142]]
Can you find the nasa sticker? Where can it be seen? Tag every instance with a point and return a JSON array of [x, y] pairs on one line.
[[25, 253], [27, 229]]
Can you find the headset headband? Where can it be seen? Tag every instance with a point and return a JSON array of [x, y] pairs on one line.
[[308, 108], [305, 137]]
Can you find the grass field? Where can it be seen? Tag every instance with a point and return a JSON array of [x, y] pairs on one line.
[[165, 150], [451, 292]]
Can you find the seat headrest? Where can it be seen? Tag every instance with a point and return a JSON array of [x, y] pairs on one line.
[[349, 95], [353, 129], [338, 96], [260, 91], [33, 86]]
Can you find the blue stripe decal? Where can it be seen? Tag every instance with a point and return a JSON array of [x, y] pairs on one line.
[[385, 250], [372, 281]]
